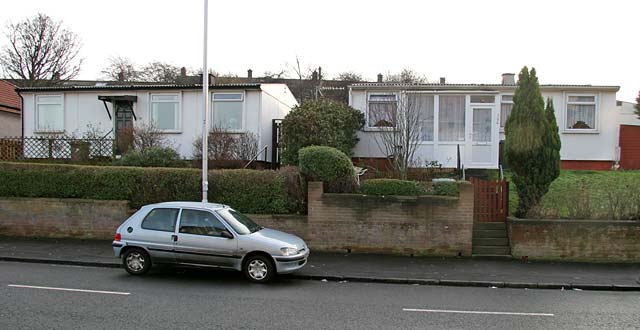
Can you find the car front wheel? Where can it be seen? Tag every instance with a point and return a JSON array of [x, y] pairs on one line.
[[136, 261], [259, 269]]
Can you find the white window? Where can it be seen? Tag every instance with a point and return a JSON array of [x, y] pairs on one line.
[[581, 112], [49, 113], [506, 105], [483, 98], [382, 110], [451, 118], [228, 111], [422, 105], [165, 112]]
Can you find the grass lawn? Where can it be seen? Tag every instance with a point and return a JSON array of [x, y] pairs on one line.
[[588, 194]]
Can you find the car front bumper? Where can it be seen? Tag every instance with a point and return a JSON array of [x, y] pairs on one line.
[[289, 264]]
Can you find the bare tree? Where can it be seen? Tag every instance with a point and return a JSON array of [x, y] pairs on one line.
[[223, 145], [122, 69], [299, 72], [160, 72], [147, 136], [349, 76], [275, 74], [41, 51], [399, 125], [406, 76]]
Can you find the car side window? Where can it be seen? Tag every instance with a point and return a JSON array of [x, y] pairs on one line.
[[198, 222], [162, 219]]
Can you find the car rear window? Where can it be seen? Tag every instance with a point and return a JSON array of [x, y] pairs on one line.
[[162, 219]]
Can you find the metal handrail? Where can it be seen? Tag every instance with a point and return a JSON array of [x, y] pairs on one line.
[[257, 155]]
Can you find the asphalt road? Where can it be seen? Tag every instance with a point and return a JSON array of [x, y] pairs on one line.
[[36, 296]]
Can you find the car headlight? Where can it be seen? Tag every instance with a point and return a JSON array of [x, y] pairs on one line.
[[288, 251]]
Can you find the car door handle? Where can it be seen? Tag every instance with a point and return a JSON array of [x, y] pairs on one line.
[[174, 238]]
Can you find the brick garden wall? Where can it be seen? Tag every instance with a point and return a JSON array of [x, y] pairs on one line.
[[425, 225], [52, 217], [575, 240]]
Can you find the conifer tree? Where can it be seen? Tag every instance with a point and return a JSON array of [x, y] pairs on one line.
[[532, 144]]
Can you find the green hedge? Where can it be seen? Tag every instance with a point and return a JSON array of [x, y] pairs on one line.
[[329, 165], [391, 187], [248, 191], [446, 189]]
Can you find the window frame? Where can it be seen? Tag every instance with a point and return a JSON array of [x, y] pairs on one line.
[[243, 128], [595, 103], [178, 128], [433, 112], [366, 113], [465, 139], [37, 128], [175, 223], [222, 221], [502, 101]]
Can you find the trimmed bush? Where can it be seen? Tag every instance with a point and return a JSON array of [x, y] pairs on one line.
[[151, 157], [446, 189], [381, 187], [247, 191], [328, 165]]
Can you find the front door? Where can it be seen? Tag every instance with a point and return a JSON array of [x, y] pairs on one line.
[[481, 147], [123, 125], [200, 240]]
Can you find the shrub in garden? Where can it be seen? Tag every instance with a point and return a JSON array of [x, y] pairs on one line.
[[329, 165], [151, 157], [381, 187], [322, 123]]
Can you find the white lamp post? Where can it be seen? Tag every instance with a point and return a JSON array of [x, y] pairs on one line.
[[205, 102]]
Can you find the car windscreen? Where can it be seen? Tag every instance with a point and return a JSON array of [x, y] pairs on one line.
[[240, 222]]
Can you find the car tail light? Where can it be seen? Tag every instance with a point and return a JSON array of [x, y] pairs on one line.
[[118, 237]]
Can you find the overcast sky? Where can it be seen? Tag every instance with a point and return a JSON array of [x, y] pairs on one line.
[[581, 42]]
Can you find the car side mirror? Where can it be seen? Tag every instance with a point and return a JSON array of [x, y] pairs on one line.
[[226, 234]]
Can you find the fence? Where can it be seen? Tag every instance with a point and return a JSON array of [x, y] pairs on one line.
[[55, 147], [491, 200]]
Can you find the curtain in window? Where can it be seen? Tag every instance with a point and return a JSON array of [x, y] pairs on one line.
[[382, 114], [581, 116], [50, 117], [423, 104], [505, 111], [451, 118], [227, 115]]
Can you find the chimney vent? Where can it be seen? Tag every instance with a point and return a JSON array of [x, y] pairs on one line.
[[183, 72], [508, 79], [443, 80], [249, 73], [379, 77], [314, 75], [320, 72]]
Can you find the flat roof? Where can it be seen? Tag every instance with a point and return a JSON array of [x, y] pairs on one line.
[[487, 87], [136, 87]]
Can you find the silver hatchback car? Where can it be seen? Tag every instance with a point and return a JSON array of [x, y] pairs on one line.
[[209, 235]]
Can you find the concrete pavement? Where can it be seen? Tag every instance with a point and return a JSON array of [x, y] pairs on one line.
[[372, 268]]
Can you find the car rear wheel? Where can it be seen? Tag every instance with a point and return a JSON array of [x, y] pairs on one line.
[[136, 261], [259, 269]]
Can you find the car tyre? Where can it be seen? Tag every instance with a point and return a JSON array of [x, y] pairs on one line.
[[259, 269], [136, 261]]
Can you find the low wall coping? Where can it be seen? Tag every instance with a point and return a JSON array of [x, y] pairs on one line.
[[65, 200], [397, 198], [574, 221]]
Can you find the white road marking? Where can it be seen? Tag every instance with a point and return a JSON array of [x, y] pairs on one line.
[[474, 312], [67, 289]]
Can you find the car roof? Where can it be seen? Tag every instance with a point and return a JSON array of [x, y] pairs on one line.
[[211, 206]]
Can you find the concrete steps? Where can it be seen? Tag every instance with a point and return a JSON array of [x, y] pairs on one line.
[[490, 240]]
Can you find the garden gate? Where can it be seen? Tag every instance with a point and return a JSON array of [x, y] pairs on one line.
[[491, 200]]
